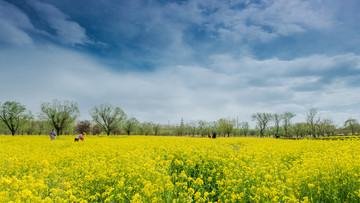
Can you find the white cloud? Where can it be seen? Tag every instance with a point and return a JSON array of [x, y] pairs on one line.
[[67, 31], [255, 21], [13, 25], [42, 74]]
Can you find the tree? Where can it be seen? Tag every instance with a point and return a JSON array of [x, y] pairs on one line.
[[83, 127], [226, 126], [108, 117], [145, 128], [329, 127], [203, 128], [96, 129], [287, 116], [297, 129], [245, 128], [262, 121], [130, 125], [60, 115], [156, 128], [277, 120], [310, 119], [41, 123], [12, 114], [30, 124], [191, 128], [351, 124]]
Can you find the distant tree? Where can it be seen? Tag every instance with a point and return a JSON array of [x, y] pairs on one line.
[[270, 131], [30, 124], [203, 128], [245, 128], [297, 127], [130, 125], [40, 126], [287, 116], [311, 120], [329, 127], [156, 128], [262, 121], [60, 115], [83, 127], [320, 127], [277, 121], [351, 124], [145, 128], [12, 114], [41, 123], [108, 117], [226, 126], [96, 129], [191, 128], [118, 131]]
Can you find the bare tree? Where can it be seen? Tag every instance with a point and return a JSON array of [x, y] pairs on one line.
[[12, 114], [245, 128], [60, 115], [287, 116], [310, 119], [108, 117], [130, 125], [277, 120], [262, 121], [156, 128], [351, 124]]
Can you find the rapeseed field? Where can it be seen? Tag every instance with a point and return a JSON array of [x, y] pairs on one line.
[[178, 169]]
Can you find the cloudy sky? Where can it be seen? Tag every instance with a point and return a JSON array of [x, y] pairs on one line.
[[163, 60]]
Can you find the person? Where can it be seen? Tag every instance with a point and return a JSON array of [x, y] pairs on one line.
[[80, 136], [214, 135], [52, 134], [276, 135], [209, 136]]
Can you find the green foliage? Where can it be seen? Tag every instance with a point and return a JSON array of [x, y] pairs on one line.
[[226, 126], [60, 115], [262, 120], [156, 128], [108, 117], [130, 125], [351, 125], [12, 114], [145, 128]]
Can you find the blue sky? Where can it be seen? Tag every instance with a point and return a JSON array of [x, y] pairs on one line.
[[166, 60]]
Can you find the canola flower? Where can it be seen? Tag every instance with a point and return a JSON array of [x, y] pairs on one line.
[[178, 169]]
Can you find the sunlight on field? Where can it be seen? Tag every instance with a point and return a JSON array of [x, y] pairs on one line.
[[160, 169]]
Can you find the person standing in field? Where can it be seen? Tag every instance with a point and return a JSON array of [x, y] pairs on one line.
[[214, 135], [209, 136], [52, 134], [80, 136]]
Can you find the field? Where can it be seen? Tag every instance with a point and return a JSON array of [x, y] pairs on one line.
[[178, 169]]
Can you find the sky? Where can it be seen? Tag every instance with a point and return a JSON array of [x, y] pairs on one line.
[[163, 60]]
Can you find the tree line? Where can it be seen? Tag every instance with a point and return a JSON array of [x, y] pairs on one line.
[[107, 119]]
